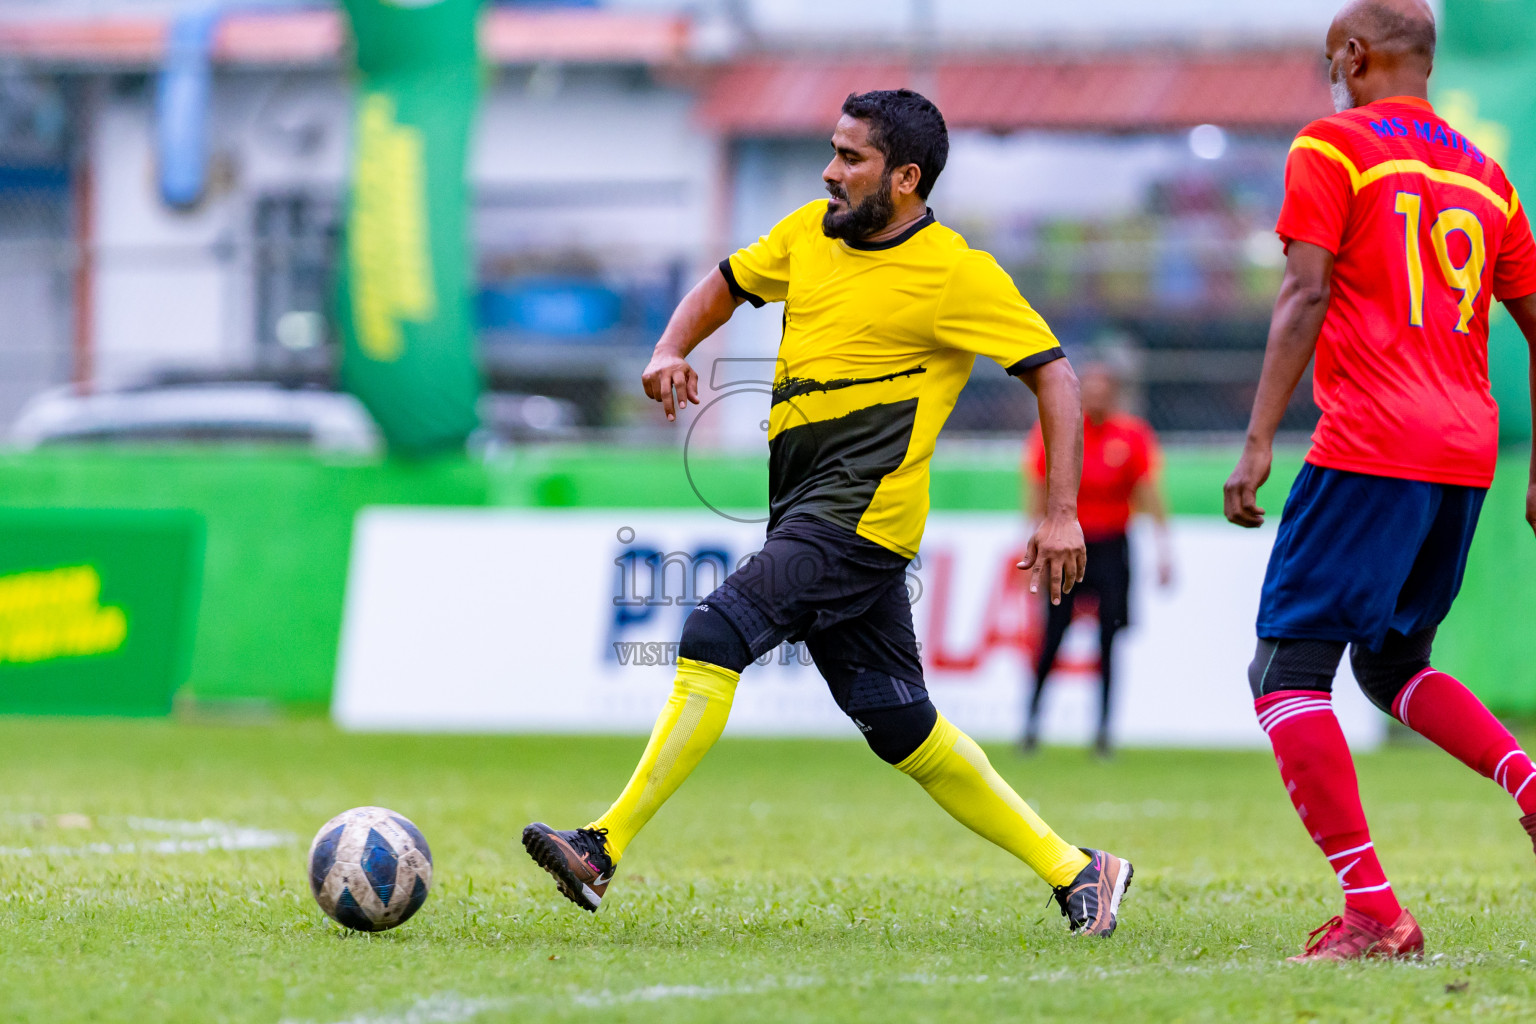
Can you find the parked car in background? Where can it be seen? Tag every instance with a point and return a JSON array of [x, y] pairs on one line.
[[261, 412], [234, 412]]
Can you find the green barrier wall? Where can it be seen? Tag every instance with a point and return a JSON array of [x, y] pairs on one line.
[[1485, 85], [279, 532], [97, 609]]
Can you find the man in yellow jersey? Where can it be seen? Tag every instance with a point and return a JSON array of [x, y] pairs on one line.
[[885, 310]]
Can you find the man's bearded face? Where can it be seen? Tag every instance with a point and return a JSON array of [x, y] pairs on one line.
[[846, 220]]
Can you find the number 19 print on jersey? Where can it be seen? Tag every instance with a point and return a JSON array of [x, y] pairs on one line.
[[1426, 233]]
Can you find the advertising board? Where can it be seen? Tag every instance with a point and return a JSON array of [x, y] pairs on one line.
[[97, 609], [567, 621]]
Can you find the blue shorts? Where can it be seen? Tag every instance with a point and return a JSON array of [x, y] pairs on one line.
[[1358, 556]]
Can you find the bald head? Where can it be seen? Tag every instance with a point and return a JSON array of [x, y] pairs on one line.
[[1380, 48], [1403, 27]]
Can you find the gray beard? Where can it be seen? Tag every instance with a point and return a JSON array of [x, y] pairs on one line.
[[1342, 98]]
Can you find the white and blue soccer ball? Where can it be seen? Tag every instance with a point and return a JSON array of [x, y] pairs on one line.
[[370, 868]]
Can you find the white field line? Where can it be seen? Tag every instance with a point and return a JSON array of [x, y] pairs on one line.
[[444, 1008], [206, 836], [657, 993], [451, 1008]]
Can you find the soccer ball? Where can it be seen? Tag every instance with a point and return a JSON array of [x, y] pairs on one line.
[[370, 868]]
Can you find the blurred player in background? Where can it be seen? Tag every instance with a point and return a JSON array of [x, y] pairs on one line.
[[1399, 234], [1120, 475], [885, 311]]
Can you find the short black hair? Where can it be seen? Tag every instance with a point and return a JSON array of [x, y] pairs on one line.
[[906, 128]]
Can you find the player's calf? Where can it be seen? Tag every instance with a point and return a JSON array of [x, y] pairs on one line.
[[1400, 681], [1089, 884]]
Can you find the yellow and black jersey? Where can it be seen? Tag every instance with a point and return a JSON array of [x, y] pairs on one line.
[[879, 338]]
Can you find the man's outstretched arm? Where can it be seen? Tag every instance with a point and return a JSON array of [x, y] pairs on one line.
[[668, 378], [1056, 551], [1524, 312], [1293, 331]]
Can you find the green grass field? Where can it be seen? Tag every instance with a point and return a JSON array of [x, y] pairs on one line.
[[787, 881]]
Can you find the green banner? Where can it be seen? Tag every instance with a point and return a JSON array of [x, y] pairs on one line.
[[405, 305], [1485, 85], [97, 609]]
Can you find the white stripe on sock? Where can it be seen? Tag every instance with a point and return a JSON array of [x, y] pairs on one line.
[[1316, 709], [1270, 714], [1294, 714], [1346, 853], [1369, 888], [1413, 684], [1527, 782], [1500, 765], [1269, 726]]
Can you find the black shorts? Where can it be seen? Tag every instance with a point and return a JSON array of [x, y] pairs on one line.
[[845, 596], [1108, 578]]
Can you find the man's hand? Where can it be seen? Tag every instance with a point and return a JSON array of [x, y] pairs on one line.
[[1241, 494], [669, 379], [1057, 554]]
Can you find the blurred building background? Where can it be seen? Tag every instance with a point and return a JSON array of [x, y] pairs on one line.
[[173, 179], [1123, 160]]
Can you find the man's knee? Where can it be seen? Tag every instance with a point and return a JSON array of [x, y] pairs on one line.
[[1293, 665], [708, 636], [1383, 674], [894, 734], [894, 713]]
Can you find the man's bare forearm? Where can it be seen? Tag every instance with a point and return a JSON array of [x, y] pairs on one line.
[[1034, 497], [1293, 331], [668, 378], [703, 311], [1056, 555], [1061, 427]]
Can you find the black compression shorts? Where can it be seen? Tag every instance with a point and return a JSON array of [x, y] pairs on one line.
[[845, 596]]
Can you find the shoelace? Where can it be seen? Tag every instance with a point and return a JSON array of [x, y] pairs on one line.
[[598, 837], [1062, 894], [1327, 929]]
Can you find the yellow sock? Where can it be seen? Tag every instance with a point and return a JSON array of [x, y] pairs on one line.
[[687, 727], [955, 772]]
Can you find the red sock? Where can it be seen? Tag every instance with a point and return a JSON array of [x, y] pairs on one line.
[[1319, 775], [1443, 711]]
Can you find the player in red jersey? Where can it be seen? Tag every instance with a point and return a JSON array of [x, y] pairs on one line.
[[1120, 468], [1399, 234]]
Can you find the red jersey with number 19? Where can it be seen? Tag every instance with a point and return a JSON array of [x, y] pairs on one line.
[[1426, 232]]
